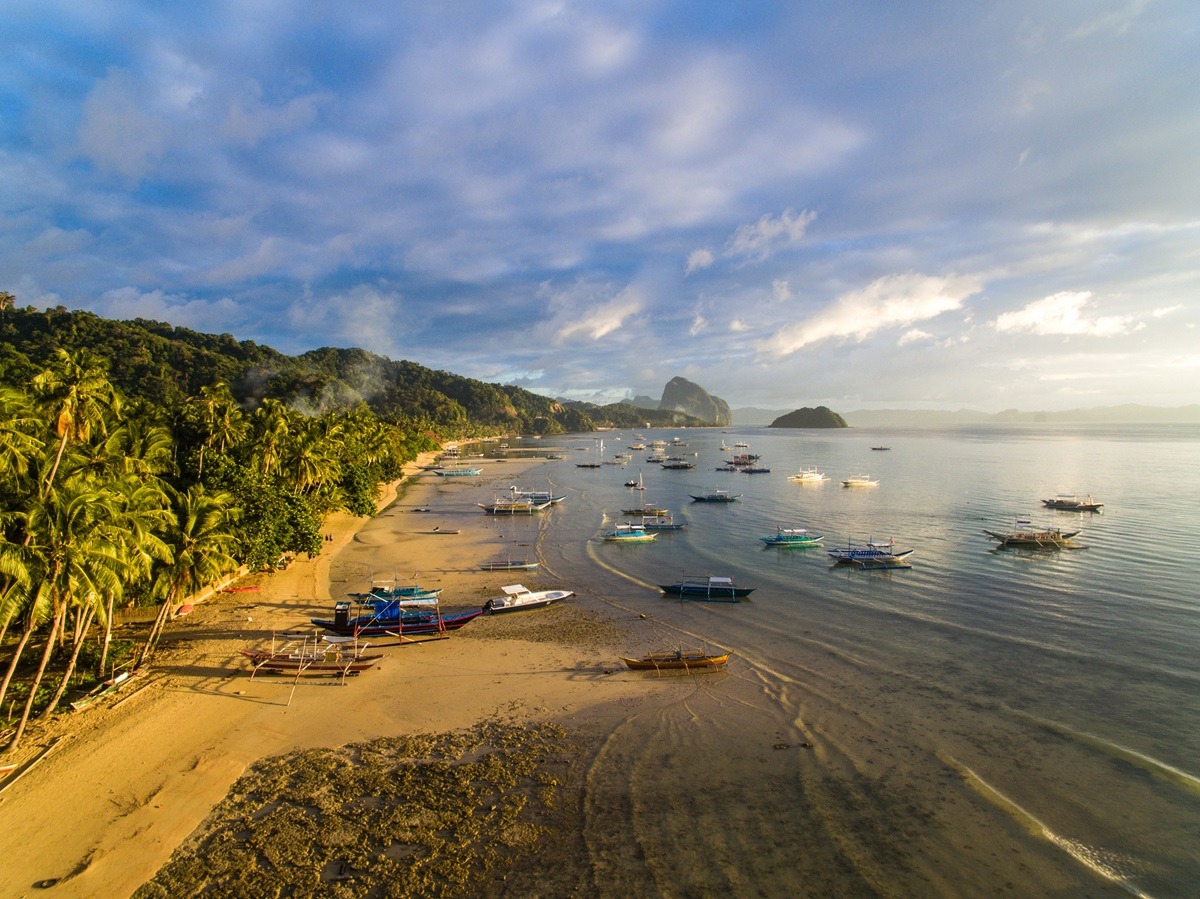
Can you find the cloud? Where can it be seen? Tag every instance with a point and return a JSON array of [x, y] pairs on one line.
[[125, 303], [760, 240], [884, 303], [781, 290], [738, 326], [604, 318], [699, 324], [115, 133], [1116, 22], [1062, 313], [912, 335], [700, 259]]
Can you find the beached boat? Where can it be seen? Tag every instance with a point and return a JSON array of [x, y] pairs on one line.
[[707, 588], [311, 657], [716, 496], [791, 537], [1069, 502], [510, 565], [675, 660], [859, 480], [662, 523], [1026, 535], [411, 626], [517, 598], [389, 590], [872, 554], [808, 476], [628, 533]]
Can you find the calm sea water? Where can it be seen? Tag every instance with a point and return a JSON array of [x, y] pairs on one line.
[[989, 721]]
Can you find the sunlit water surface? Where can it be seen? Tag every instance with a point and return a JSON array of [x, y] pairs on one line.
[[989, 721]]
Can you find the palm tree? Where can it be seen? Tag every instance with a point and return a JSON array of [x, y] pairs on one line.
[[201, 545], [19, 443], [219, 419], [312, 462], [79, 399], [270, 425], [73, 551]]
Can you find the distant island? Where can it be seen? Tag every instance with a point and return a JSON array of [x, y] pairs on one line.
[[820, 417], [682, 395]]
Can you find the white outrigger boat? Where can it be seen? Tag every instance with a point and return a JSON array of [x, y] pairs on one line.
[[809, 476], [860, 480]]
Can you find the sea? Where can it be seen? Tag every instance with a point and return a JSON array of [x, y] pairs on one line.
[[987, 722]]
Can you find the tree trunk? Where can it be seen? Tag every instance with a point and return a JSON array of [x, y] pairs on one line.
[[107, 635], [62, 687], [155, 631], [37, 682], [12, 666]]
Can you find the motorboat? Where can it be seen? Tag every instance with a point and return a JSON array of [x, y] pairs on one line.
[[517, 598]]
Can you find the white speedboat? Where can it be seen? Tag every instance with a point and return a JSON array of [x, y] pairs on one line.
[[517, 598]]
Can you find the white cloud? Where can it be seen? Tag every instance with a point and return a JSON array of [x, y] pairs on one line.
[[700, 259], [912, 335], [699, 323], [759, 241], [884, 303], [1063, 313], [115, 132], [1166, 310], [604, 318], [738, 326], [1116, 22], [124, 303], [781, 290]]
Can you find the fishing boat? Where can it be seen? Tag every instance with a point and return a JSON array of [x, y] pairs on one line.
[[859, 480], [706, 588], [389, 590], [636, 485], [791, 537], [646, 509], [674, 660], [1069, 502], [628, 533], [457, 472], [662, 523], [740, 460], [872, 554], [1029, 536], [756, 469], [538, 496], [716, 496], [808, 476], [510, 505], [510, 565], [517, 598], [312, 658], [673, 464], [369, 625], [881, 449]]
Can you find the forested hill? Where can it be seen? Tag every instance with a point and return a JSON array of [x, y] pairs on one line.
[[165, 364]]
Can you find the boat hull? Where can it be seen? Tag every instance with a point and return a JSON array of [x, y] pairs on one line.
[[396, 628], [676, 662]]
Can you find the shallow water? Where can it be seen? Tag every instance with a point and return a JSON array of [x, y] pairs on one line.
[[988, 721]]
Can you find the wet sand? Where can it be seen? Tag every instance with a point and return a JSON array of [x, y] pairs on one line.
[[135, 776]]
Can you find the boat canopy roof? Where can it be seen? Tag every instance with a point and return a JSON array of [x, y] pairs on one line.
[[515, 589]]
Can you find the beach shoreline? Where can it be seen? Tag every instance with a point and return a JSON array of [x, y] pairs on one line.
[[133, 778]]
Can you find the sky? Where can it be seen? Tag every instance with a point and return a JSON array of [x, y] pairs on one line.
[[933, 205]]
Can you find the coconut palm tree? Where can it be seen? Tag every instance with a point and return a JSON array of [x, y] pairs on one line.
[[73, 551], [270, 425], [78, 399], [201, 545], [219, 419]]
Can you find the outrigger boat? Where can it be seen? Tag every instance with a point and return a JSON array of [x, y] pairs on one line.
[[538, 496], [513, 506], [1029, 536], [662, 523], [875, 554], [716, 496], [308, 656], [687, 660], [646, 509], [859, 480], [808, 476], [517, 598], [792, 537], [510, 565], [1069, 502], [707, 589], [395, 618], [629, 533]]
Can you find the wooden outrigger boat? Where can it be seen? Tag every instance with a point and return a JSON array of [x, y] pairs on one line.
[[795, 537], [1069, 502], [510, 565], [706, 588], [310, 657], [875, 554], [1029, 536], [677, 660]]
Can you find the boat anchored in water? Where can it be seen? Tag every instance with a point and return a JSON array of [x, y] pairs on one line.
[[797, 537], [860, 480], [628, 533], [873, 554], [707, 588], [716, 496], [1029, 536], [1070, 502], [808, 476]]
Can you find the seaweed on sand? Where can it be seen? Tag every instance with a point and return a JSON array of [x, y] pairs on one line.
[[481, 812]]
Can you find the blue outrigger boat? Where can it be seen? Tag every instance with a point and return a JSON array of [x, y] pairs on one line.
[[707, 589], [872, 555]]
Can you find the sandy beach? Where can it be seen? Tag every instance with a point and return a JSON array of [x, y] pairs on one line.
[[129, 780]]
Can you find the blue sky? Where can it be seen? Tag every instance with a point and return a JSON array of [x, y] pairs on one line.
[[865, 205]]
